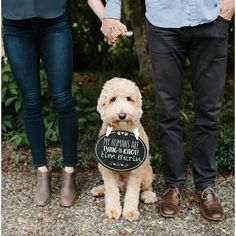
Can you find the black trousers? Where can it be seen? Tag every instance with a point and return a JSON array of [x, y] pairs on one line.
[[206, 47]]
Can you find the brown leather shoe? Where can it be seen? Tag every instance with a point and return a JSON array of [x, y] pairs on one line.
[[43, 188], [169, 205], [210, 206], [68, 189]]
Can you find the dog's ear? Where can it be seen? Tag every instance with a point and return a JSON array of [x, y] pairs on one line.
[[139, 102], [139, 98], [101, 103]]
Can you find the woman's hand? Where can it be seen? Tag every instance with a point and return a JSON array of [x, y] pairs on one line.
[[3, 54], [112, 30], [227, 9]]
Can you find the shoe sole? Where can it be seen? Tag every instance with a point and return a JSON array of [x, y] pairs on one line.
[[209, 218], [168, 216], [63, 205], [42, 205]]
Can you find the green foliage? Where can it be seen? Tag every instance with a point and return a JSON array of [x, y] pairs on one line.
[[88, 40], [89, 121], [57, 162], [122, 57], [12, 124], [156, 157], [91, 51], [225, 148], [19, 159]]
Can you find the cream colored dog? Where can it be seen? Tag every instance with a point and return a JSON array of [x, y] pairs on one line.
[[120, 107]]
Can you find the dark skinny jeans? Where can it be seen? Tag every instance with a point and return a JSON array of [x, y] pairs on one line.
[[26, 41]]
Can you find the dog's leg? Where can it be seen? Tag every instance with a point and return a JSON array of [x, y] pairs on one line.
[[148, 196], [98, 191], [130, 211], [112, 195]]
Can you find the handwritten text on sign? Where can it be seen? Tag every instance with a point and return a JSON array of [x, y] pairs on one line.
[[120, 151]]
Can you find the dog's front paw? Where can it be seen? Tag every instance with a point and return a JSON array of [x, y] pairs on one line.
[[98, 191], [131, 215], [114, 213], [148, 197]]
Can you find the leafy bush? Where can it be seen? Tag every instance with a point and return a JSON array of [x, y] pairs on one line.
[[225, 148], [89, 121], [12, 124]]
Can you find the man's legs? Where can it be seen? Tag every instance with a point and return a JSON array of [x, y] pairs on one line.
[[208, 56], [168, 54]]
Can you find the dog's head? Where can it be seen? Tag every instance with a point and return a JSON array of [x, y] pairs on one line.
[[120, 101]]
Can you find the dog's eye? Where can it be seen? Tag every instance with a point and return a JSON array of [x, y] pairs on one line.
[[113, 99], [129, 99]]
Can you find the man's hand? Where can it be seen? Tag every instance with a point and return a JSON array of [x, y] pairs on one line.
[[112, 30], [227, 9]]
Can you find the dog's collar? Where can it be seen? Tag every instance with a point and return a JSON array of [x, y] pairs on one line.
[[110, 128], [136, 133]]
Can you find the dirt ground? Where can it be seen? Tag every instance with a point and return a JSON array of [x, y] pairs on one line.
[[20, 216]]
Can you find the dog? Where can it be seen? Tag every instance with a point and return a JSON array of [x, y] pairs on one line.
[[120, 108]]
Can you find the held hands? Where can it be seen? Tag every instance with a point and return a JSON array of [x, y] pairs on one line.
[[227, 9], [112, 30]]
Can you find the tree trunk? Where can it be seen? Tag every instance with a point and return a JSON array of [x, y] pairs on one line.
[[135, 13]]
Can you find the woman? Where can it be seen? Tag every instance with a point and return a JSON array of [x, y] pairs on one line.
[[34, 30]]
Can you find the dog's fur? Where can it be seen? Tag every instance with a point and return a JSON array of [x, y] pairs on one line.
[[123, 96]]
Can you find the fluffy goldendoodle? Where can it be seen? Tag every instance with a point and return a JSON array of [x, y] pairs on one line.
[[120, 107]]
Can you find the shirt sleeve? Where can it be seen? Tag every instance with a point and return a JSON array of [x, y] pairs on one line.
[[112, 9]]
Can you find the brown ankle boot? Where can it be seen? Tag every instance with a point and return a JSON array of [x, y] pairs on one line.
[[68, 189], [43, 188], [169, 205]]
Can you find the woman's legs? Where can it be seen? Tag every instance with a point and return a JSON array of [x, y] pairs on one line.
[[51, 39], [56, 53], [23, 55]]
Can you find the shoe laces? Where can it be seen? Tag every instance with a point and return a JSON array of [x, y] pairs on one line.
[[213, 192], [176, 191]]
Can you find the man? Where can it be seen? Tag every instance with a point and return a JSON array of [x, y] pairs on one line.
[[197, 30]]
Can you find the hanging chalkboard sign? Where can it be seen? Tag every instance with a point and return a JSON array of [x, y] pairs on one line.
[[120, 151]]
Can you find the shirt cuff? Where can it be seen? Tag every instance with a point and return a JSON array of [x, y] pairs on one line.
[[112, 10]]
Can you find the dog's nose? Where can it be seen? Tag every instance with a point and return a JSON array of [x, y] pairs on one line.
[[122, 116]]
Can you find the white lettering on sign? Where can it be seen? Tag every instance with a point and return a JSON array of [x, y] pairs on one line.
[[110, 149], [120, 143], [131, 151], [134, 144], [106, 141]]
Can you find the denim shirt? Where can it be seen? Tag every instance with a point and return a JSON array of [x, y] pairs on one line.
[[172, 13]]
